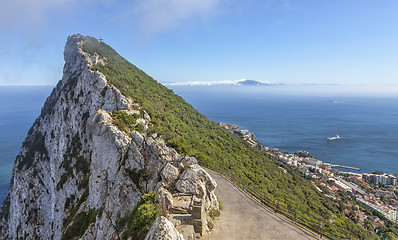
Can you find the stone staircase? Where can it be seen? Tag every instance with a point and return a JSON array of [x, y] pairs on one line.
[[188, 215]]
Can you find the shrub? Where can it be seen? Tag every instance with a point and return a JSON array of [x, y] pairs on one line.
[[137, 223], [139, 127], [137, 176], [80, 224], [210, 224], [84, 182], [213, 213], [126, 122], [220, 204]]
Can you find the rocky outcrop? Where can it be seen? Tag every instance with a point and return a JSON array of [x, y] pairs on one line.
[[245, 135], [76, 168], [169, 174], [195, 180], [164, 194], [163, 229]]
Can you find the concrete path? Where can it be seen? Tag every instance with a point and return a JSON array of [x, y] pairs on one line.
[[244, 217]]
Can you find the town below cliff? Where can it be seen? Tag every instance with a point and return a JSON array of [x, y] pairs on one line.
[[371, 200]]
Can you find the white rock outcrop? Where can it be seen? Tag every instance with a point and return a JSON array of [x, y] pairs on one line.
[[164, 194], [163, 229], [195, 180], [169, 174]]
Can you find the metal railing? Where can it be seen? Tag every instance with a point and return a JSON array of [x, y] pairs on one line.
[[317, 227]]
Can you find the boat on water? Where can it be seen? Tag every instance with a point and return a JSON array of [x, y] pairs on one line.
[[333, 138]]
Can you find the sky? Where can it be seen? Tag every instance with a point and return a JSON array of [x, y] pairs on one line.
[[278, 41]]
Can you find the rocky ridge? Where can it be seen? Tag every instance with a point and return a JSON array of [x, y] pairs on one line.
[[77, 168], [245, 135]]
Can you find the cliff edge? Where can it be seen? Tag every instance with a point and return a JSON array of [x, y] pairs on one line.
[[90, 168]]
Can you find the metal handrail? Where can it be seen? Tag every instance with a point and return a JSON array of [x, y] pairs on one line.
[[278, 208]]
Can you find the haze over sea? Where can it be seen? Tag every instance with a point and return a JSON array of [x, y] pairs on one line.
[[290, 118]]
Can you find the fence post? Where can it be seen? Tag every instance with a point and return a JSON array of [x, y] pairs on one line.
[[164, 207], [295, 215], [320, 228], [276, 206]]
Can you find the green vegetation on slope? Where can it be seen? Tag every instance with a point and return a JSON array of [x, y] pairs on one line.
[[80, 224], [191, 133], [36, 143], [137, 223], [126, 122]]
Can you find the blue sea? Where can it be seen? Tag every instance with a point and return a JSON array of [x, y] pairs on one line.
[[19, 108], [286, 117], [295, 118]]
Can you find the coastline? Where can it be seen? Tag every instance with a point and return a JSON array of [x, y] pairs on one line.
[[367, 188]]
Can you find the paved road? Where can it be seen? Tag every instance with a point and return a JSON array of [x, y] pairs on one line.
[[244, 218]]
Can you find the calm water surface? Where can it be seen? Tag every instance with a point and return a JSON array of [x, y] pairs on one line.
[[293, 121], [19, 108]]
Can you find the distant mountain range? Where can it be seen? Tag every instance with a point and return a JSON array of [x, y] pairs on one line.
[[241, 82], [251, 83]]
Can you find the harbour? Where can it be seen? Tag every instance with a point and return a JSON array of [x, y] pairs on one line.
[[342, 166]]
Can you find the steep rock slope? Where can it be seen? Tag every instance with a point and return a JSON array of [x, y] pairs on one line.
[[79, 175]]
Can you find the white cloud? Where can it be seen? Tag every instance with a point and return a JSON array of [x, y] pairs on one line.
[[152, 16], [27, 13], [160, 15]]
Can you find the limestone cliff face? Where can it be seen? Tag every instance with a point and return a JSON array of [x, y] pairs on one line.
[[75, 161]]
